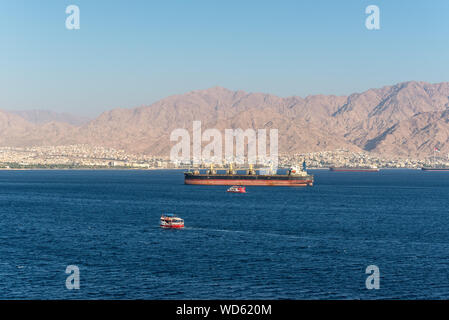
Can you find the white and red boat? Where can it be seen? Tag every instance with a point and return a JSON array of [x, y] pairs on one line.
[[237, 189], [171, 221]]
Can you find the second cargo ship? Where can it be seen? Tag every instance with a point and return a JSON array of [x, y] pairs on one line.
[[294, 177]]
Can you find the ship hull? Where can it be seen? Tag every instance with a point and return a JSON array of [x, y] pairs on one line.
[[248, 180], [435, 169]]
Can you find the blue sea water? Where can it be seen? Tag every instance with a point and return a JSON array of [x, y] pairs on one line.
[[271, 243]]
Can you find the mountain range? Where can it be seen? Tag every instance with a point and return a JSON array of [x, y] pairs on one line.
[[408, 119], [45, 116]]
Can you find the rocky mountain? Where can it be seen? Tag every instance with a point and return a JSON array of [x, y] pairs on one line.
[[15, 131], [406, 119]]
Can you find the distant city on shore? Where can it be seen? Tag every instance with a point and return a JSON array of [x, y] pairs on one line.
[[85, 156]]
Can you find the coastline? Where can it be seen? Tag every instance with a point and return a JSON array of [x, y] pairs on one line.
[[93, 169], [155, 169]]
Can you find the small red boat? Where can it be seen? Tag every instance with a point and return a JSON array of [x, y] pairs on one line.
[[171, 221], [237, 189]]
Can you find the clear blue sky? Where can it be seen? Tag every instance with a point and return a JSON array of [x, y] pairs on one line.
[[132, 53]]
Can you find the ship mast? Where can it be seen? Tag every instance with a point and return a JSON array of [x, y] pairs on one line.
[[434, 158]]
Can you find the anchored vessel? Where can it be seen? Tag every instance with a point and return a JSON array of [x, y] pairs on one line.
[[294, 177], [434, 166], [435, 169]]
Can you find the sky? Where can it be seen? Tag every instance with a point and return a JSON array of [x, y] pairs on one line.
[[133, 53]]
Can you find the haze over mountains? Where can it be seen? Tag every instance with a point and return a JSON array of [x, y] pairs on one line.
[[45, 116], [408, 119]]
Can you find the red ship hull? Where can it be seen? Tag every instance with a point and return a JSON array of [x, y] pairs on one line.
[[248, 180], [219, 182]]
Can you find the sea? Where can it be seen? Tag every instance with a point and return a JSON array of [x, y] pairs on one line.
[[270, 243]]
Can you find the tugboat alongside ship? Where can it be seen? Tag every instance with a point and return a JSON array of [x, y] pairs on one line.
[[294, 177]]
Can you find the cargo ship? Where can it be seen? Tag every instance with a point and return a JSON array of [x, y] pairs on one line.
[[435, 168], [294, 177], [359, 169]]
